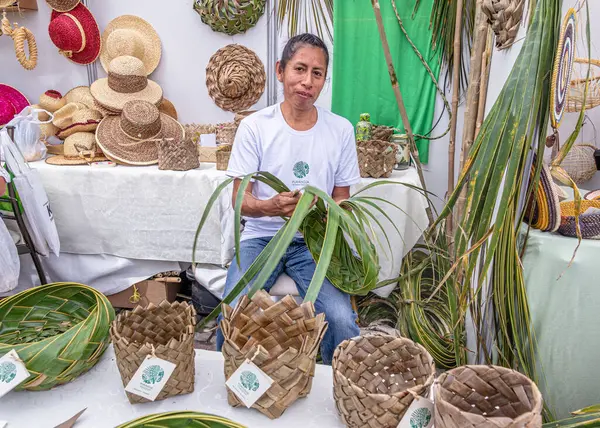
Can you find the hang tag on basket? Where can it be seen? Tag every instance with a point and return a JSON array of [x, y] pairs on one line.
[[419, 414], [12, 372], [249, 383], [151, 377]]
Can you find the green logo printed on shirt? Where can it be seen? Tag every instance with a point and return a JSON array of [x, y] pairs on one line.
[[153, 374], [420, 418], [249, 381], [8, 371], [301, 169]]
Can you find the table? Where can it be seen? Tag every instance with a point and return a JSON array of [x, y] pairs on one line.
[[101, 391]]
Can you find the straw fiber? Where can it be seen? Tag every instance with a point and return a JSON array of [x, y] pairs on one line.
[[82, 95], [487, 397], [62, 5], [52, 101], [281, 338], [580, 163], [223, 155], [376, 377], [165, 331], [505, 19], [577, 87], [376, 158], [177, 155], [589, 223], [226, 133], [230, 16], [382, 132], [78, 149]]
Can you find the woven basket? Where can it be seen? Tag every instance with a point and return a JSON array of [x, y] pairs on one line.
[[376, 377], [589, 223], [242, 115], [281, 338], [59, 331], [166, 329], [177, 155], [577, 86], [376, 158], [505, 18], [580, 163], [226, 132], [193, 132], [487, 396], [382, 132], [223, 155]]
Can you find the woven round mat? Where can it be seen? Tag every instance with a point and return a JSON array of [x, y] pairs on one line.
[[236, 17], [563, 67]]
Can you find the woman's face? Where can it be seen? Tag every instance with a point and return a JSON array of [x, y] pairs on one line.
[[304, 77]]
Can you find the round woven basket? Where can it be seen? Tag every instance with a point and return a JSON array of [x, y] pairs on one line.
[[589, 223], [376, 158], [255, 331], [487, 396], [59, 331], [577, 86], [165, 331], [181, 419], [376, 377], [580, 163], [223, 155]]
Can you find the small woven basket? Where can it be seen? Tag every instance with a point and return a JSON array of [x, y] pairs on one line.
[[382, 132], [281, 338], [577, 86], [589, 223], [376, 158], [226, 132], [376, 377], [177, 155], [487, 396], [223, 155], [239, 116], [193, 132], [580, 163], [166, 331]]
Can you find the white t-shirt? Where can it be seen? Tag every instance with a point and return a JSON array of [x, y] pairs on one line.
[[323, 157]]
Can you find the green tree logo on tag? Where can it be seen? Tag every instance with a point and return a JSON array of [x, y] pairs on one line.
[[249, 381], [301, 169], [8, 371], [420, 418], [153, 375]]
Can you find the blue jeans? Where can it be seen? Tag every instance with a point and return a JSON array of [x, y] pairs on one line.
[[299, 265]]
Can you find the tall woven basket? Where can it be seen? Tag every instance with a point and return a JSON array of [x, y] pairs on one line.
[[376, 377], [167, 332], [487, 396], [281, 338], [376, 158]]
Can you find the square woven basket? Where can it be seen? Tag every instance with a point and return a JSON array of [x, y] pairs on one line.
[[193, 132], [223, 155], [376, 158]]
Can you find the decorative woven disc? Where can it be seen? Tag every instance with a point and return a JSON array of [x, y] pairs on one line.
[[563, 67], [230, 16]]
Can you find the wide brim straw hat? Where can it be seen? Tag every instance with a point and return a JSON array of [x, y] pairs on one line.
[[79, 149], [76, 34], [12, 102], [133, 36], [6, 3], [63, 117], [132, 137], [80, 94], [62, 5], [51, 101], [85, 120], [235, 77], [168, 108]]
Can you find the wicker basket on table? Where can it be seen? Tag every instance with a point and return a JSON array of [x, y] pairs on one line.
[[226, 132], [376, 158], [281, 338], [578, 86], [376, 377], [241, 115], [589, 223], [486, 396], [193, 132], [223, 155], [165, 331], [382, 132]]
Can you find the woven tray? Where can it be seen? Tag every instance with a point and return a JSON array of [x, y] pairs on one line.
[[487, 396], [166, 329], [281, 338], [376, 158], [376, 377], [223, 155], [589, 223]]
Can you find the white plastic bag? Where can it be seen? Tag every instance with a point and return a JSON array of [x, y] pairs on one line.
[[28, 133], [9, 261]]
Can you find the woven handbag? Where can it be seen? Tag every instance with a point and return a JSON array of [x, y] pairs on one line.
[[376, 158], [281, 338], [376, 377], [166, 331], [487, 396], [177, 155], [588, 223]]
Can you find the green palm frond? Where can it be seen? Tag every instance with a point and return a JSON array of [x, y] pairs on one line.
[[181, 420], [305, 16]]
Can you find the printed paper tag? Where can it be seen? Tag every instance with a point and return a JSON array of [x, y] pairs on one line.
[[151, 377], [12, 372], [249, 383], [208, 140], [418, 415]]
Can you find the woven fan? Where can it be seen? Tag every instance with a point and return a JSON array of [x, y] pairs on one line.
[[563, 67], [505, 18], [230, 16]]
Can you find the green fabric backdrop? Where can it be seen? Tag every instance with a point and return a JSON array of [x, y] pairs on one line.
[[361, 81]]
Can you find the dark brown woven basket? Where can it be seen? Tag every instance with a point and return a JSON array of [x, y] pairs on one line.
[[177, 155], [376, 158], [223, 155], [168, 330], [382, 132], [376, 377], [281, 338], [487, 396]]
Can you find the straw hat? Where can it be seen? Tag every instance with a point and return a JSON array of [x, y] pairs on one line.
[[82, 95], [83, 120], [79, 149], [63, 117], [127, 81], [76, 34], [62, 5], [11, 103], [51, 101], [133, 36], [6, 3], [42, 115], [235, 78], [168, 108], [132, 137], [48, 130]]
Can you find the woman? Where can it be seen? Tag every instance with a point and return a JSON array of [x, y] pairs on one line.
[[302, 145]]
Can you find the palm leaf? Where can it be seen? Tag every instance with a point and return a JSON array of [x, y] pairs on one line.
[[305, 16], [181, 420]]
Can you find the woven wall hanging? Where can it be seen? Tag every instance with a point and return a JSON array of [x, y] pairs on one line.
[[563, 68], [230, 16], [20, 36], [505, 18]]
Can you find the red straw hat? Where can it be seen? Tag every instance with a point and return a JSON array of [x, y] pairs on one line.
[[11, 103], [76, 34]]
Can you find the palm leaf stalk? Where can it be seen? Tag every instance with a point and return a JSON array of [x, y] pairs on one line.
[[181, 420], [306, 16], [588, 417]]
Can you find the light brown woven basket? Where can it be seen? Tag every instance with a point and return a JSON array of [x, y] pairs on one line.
[[382, 132], [242, 115], [193, 132], [168, 331], [226, 132], [376, 377], [487, 396], [281, 338], [376, 158], [177, 155], [223, 155], [577, 86]]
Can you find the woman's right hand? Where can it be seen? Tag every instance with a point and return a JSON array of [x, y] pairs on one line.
[[284, 203]]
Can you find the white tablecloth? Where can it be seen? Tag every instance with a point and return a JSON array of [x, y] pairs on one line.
[[101, 391]]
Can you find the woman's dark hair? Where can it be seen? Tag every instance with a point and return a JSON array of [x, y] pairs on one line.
[[300, 41]]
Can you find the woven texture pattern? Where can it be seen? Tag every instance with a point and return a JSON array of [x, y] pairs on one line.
[[177, 155], [577, 87], [376, 377], [230, 16], [20, 35], [167, 331], [505, 18], [226, 132], [239, 116], [193, 132], [589, 223], [223, 155], [580, 163], [545, 201], [487, 396], [382, 132], [281, 338], [59, 331], [376, 158], [235, 78]]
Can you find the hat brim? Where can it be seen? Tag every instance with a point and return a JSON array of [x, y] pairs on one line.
[[90, 126], [119, 148], [80, 94], [168, 108], [93, 40], [114, 101], [61, 160], [150, 38], [63, 6], [14, 98]]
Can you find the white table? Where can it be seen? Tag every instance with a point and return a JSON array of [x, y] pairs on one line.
[[101, 391]]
